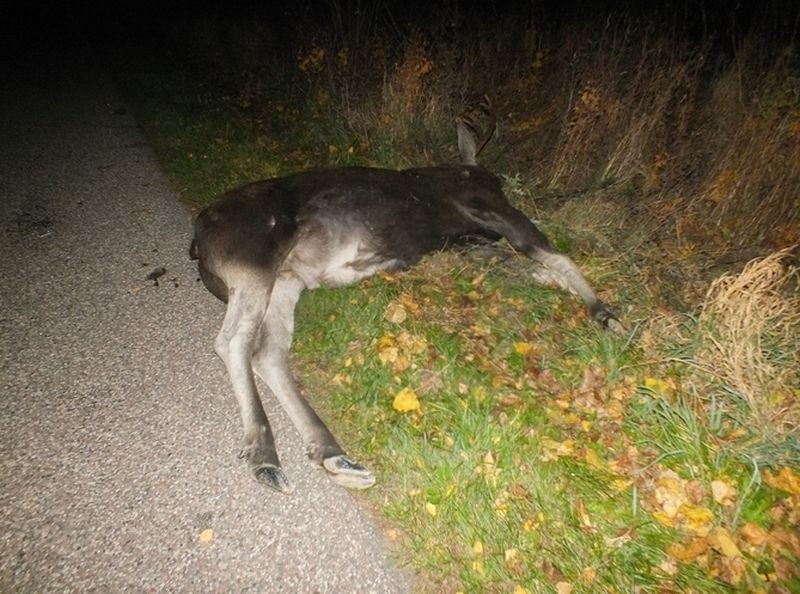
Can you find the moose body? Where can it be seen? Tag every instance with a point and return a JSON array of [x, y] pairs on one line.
[[261, 245]]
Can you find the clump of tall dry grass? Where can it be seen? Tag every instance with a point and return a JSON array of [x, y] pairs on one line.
[[745, 339], [749, 337]]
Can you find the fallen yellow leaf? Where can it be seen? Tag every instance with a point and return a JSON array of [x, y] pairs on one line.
[[656, 385], [388, 354], [583, 517], [409, 303], [589, 574], [722, 492], [754, 534], [523, 348], [395, 313], [564, 588], [670, 481], [412, 343], [664, 519], [593, 460], [554, 449], [206, 535], [532, 524], [688, 552], [697, 518], [720, 539], [431, 508], [731, 569], [406, 401], [786, 480], [386, 340], [669, 566]]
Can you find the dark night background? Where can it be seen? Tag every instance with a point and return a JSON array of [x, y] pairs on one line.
[[691, 104], [26, 23]]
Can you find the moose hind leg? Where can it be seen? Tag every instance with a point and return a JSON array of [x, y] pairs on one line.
[[271, 363], [234, 344]]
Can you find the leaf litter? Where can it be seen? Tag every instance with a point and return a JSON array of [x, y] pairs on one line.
[[583, 406]]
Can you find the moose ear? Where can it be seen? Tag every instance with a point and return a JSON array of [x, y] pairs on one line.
[[469, 126], [466, 143]]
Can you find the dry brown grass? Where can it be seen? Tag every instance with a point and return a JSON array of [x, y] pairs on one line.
[[409, 94], [631, 96], [745, 339], [749, 337], [749, 194], [709, 146]]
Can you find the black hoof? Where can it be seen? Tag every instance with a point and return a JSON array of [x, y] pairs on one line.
[[603, 316], [348, 473], [273, 477]]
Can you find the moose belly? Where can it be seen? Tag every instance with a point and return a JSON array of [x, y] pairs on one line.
[[336, 263]]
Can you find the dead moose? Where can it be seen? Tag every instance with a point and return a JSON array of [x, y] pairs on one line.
[[261, 245]]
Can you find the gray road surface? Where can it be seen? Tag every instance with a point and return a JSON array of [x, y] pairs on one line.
[[118, 429]]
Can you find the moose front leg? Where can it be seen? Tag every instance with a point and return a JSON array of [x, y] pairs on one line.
[[271, 363], [234, 344], [526, 237], [566, 274]]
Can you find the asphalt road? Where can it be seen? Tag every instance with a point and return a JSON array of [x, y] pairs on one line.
[[118, 429]]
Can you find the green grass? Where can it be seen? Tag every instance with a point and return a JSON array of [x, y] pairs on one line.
[[479, 463], [542, 448]]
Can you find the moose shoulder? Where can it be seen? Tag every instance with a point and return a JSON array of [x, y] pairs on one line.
[[261, 245]]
